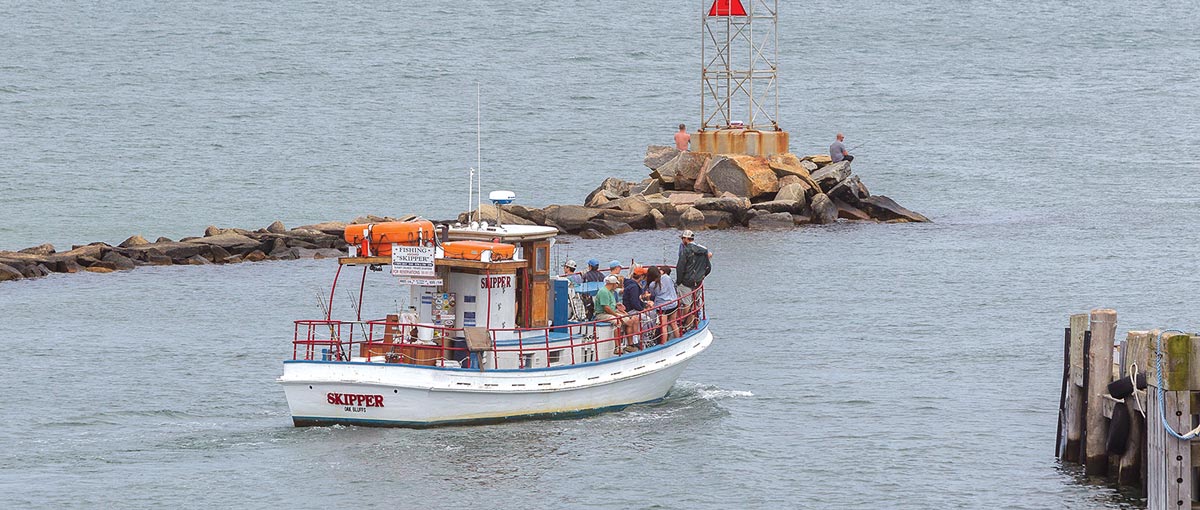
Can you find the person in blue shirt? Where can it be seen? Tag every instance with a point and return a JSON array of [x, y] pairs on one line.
[[631, 294]]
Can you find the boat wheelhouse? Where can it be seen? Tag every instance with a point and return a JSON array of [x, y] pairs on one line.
[[487, 337]]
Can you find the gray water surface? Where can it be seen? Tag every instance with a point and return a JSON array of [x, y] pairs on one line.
[[855, 366]]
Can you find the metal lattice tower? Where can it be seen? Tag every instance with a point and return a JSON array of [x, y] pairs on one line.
[[739, 58]]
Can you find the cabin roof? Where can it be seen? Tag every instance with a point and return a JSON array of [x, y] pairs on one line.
[[505, 233]]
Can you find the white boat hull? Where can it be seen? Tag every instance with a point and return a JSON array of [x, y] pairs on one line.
[[388, 394]]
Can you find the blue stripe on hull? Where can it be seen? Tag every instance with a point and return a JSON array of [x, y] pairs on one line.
[[315, 421]]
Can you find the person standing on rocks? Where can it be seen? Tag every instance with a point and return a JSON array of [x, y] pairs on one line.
[[682, 139], [691, 269], [837, 151]]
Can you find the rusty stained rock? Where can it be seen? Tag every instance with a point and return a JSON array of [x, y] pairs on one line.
[[744, 176]]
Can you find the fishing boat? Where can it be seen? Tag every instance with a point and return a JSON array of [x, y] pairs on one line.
[[487, 335]]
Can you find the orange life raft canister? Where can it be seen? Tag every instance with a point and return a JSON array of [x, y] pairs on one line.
[[382, 235], [473, 250]]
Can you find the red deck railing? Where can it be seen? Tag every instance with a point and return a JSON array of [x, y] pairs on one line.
[[397, 342]]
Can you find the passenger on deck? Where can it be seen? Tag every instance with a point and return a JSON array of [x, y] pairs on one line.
[[569, 273], [632, 294], [593, 274], [662, 291], [693, 266], [607, 309], [614, 269]]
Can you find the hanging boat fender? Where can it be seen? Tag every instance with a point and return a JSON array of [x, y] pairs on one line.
[[1118, 431]]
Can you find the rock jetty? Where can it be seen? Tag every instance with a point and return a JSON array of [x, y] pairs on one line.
[[216, 246], [685, 190], [698, 191]]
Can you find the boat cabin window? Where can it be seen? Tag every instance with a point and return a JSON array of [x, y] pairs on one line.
[[541, 261], [555, 357]]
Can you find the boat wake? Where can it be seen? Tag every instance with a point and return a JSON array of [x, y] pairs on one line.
[[685, 390]]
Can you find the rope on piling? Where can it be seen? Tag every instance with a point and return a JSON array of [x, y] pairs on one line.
[[1162, 406]]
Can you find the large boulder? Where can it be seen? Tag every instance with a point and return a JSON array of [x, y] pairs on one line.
[[638, 220], [34, 271], [133, 240], [255, 256], [333, 228], [851, 190], [768, 221], [885, 209], [717, 220], [93, 251], [570, 218], [590, 233], [488, 213], [634, 203], [830, 175], [600, 199], [648, 186], [778, 206], [691, 219], [788, 165], [658, 155], [734, 205], [660, 220], [154, 258], [537, 216], [684, 198], [818, 159], [797, 192], [8, 273], [276, 227], [41, 249], [609, 227], [230, 241], [744, 176], [177, 251], [17, 259], [612, 187], [823, 209], [119, 262], [685, 168], [849, 212], [701, 184]]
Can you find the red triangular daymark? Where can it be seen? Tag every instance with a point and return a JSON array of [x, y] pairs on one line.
[[727, 8]]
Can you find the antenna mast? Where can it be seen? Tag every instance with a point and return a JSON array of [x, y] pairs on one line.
[[478, 154]]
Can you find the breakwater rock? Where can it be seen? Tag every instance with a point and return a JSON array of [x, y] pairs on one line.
[[697, 191], [216, 246]]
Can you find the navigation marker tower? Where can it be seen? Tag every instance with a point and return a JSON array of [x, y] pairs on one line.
[[739, 83]]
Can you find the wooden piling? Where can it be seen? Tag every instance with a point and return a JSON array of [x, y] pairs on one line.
[[1062, 395], [1166, 467], [1099, 366], [1170, 476], [1072, 421]]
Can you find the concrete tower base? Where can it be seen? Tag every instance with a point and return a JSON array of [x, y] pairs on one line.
[[741, 141]]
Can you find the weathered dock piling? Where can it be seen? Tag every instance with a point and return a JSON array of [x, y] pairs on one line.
[[1128, 409]]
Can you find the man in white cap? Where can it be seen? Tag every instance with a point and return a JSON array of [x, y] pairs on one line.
[[570, 273], [607, 309], [690, 270]]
